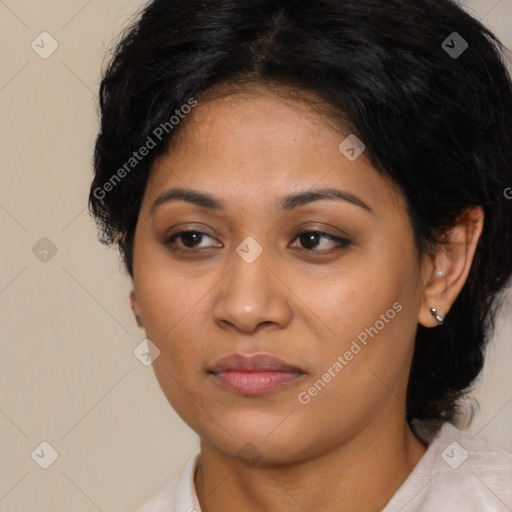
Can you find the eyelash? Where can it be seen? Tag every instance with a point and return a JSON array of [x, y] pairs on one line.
[[341, 243]]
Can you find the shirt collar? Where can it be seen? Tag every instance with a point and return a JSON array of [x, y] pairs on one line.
[[186, 498]]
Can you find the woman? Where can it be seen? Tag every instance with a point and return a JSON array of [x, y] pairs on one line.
[[310, 200]]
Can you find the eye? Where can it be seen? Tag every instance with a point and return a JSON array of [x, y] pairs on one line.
[[189, 238], [311, 238]]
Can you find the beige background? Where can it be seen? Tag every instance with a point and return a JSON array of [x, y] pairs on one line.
[[68, 375]]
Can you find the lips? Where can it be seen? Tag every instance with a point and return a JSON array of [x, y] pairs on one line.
[[255, 374], [253, 363]]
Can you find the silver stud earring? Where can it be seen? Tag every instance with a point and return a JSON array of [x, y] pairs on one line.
[[439, 318]]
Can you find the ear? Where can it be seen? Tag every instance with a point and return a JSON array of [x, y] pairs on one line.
[[446, 271], [135, 307]]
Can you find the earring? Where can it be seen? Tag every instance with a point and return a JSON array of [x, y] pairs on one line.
[[439, 318], [139, 321]]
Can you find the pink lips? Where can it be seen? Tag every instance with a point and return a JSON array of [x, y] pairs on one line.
[[254, 375]]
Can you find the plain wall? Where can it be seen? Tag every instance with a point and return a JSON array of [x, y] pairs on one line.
[[68, 375]]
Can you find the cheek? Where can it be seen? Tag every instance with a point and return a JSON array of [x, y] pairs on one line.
[[176, 304], [350, 301], [168, 293], [371, 313]]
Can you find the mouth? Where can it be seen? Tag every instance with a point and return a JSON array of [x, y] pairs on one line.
[[256, 374]]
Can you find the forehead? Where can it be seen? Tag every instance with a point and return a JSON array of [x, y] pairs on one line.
[[258, 146]]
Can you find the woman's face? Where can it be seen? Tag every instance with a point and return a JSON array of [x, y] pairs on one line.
[[342, 310]]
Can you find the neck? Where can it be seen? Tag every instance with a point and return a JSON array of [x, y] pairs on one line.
[[356, 476]]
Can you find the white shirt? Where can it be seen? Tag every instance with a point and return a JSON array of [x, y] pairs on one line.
[[457, 473]]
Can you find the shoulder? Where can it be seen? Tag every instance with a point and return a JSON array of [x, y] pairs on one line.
[[463, 451], [457, 472], [177, 495], [472, 472]]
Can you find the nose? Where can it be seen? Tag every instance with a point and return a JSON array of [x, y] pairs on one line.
[[252, 294]]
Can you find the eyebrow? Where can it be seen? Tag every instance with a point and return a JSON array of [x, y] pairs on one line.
[[287, 203]]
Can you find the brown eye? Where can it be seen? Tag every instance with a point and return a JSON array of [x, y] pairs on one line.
[[189, 239], [311, 239]]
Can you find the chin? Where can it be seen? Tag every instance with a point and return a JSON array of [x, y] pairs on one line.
[[257, 439]]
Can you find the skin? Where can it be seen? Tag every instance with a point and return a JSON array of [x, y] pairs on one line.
[[350, 447]]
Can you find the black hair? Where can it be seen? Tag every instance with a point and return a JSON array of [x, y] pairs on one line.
[[421, 82]]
